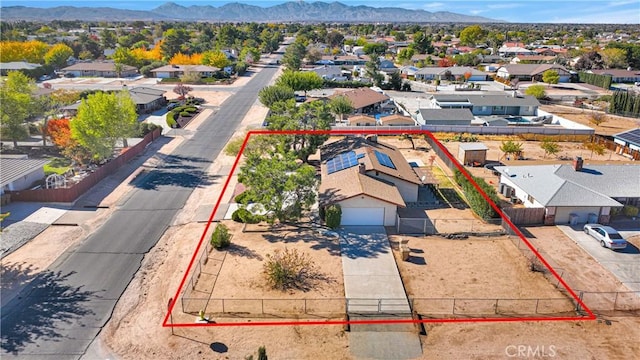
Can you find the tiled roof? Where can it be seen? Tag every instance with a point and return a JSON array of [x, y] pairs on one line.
[[396, 119], [489, 99], [533, 69], [18, 65], [361, 119], [348, 183], [144, 95], [362, 97], [446, 114]]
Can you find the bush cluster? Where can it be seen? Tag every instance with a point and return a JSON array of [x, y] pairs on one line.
[[221, 238], [476, 201], [333, 215], [245, 216], [289, 269]]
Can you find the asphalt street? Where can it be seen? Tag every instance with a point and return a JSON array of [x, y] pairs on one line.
[[59, 314]]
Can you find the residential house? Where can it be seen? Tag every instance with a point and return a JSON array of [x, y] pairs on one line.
[[620, 75], [397, 120], [334, 73], [19, 172], [17, 66], [344, 60], [100, 69], [462, 117], [175, 71], [370, 180], [387, 66], [533, 59], [361, 120], [572, 194], [147, 99], [628, 143], [450, 73], [487, 104], [364, 100], [511, 51], [433, 59], [408, 72], [532, 72]]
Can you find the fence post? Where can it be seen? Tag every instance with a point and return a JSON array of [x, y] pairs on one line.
[[305, 306], [537, 302], [615, 301], [578, 304], [262, 305], [223, 306], [453, 310], [379, 305], [495, 307]]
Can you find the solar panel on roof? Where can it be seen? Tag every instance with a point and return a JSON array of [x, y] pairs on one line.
[[384, 159], [341, 162], [632, 136], [360, 156]]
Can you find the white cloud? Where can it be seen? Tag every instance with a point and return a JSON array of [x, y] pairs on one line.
[[435, 5], [504, 6], [476, 12]]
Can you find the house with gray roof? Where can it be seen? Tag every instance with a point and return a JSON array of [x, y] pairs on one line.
[[100, 69], [147, 99], [577, 193], [532, 72], [444, 117], [487, 103], [332, 72], [17, 66], [20, 173], [175, 71], [451, 72]]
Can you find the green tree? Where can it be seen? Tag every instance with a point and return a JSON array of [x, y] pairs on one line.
[[308, 116], [300, 80], [395, 81], [597, 118], [405, 55], [375, 49], [173, 40], [123, 56], [341, 106], [372, 70], [16, 105], [536, 91], [57, 55], [108, 39], [550, 77], [292, 58], [614, 58], [283, 188], [422, 43], [594, 147], [471, 35], [334, 39], [215, 58], [103, 119], [250, 54], [550, 147], [511, 148], [275, 93]]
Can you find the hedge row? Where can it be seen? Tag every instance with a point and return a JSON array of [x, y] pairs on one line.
[[603, 81], [623, 102], [477, 202]]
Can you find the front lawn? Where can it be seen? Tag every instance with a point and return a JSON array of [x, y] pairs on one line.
[[57, 166]]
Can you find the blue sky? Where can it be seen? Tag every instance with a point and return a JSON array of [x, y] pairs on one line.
[[528, 11]]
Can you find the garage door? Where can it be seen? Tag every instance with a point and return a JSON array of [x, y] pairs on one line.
[[362, 216]]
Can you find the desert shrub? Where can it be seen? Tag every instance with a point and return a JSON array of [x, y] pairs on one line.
[[262, 353], [245, 216], [221, 238], [289, 269], [243, 198], [186, 114], [333, 215], [145, 128], [233, 146]]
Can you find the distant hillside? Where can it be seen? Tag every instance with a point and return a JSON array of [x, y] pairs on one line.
[[286, 12]]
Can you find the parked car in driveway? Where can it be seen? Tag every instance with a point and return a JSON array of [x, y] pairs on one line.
[[606, 235]]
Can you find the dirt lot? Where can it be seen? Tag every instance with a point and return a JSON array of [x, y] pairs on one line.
[[613, 124], [249, 251]]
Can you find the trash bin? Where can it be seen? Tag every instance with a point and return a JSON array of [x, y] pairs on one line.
[[593, 218], [573, 219]]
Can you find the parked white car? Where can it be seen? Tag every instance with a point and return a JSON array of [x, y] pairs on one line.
[[606, 235]]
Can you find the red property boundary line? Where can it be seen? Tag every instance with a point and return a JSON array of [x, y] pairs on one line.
[[174, 300]]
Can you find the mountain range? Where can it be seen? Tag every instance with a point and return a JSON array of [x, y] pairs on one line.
[[298, 11]]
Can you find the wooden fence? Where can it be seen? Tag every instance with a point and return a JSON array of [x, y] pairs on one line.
[[69, 195], [525, 216]]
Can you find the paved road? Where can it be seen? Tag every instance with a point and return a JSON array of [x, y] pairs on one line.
[[59, 314]]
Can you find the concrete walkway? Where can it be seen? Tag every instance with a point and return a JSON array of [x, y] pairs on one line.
[[372, 281], [374, 291]]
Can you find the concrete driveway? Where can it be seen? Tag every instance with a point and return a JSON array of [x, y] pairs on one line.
[[623, 264]]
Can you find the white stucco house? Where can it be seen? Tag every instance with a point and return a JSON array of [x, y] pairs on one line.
[[572, 194], [368, 179]]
